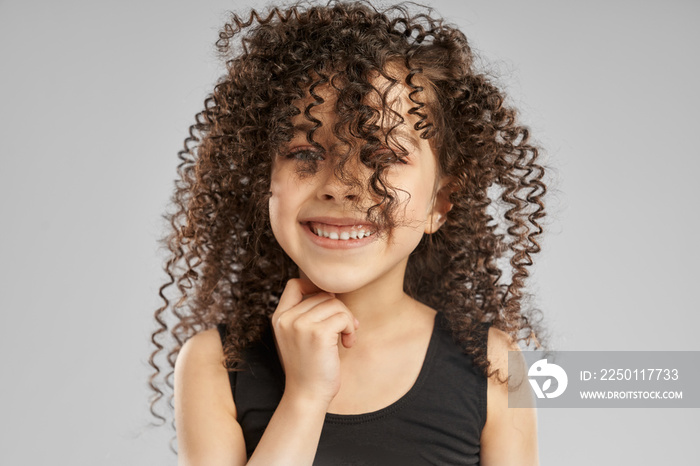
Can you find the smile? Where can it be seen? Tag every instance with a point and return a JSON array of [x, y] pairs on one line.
[[339, 236], [340, 233]]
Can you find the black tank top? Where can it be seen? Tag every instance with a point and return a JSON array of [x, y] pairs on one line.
[[437, 422]]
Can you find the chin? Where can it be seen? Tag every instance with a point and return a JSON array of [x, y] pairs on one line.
[[335, 284]]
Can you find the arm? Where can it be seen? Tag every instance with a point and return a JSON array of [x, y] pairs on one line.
[[307, 332], [509, 436], [205, 415]]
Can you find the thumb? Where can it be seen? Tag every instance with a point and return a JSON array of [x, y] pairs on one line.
[[306, 286]]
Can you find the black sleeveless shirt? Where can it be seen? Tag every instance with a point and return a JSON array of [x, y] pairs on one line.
[[437, 422]]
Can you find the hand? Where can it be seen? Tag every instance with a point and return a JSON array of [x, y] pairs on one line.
[[307, 331]]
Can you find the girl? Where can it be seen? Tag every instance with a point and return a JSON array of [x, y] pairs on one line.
[[340, 236]]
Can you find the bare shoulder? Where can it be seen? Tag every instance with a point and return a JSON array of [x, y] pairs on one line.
[[202, 348], [499, 344], [202, 358], [510, 434], [205, 412], [205, 344]]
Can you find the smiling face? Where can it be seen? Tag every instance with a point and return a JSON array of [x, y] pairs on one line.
[[321, 222]]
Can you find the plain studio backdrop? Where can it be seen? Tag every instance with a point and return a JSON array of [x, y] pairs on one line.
[[95, 102]]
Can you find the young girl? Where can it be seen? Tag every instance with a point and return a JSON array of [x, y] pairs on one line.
[[348, 198]]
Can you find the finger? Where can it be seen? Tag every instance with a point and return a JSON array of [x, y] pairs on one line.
[[321, 309], [342, 324], [294, 292], [348, 341], [301, 308]]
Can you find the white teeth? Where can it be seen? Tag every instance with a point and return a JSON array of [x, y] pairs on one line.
[[343, 236]]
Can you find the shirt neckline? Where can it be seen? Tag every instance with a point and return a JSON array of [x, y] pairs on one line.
[[333, 418]]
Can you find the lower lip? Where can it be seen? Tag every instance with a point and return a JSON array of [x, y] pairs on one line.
[[337, 243]]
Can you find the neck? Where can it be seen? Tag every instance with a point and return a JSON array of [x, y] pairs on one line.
[[382, 303]]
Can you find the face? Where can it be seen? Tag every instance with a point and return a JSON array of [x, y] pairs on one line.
[[315, 216]]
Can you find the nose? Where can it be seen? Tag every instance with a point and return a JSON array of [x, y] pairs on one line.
[[333, 188]]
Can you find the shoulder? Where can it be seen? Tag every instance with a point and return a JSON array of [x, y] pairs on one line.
[[206, 341], [205, 414], [204, 348], [201, 359], [509, 434], [499, 344]]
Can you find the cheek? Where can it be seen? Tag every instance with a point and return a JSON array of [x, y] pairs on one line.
[[282, 186], [276, 203], [279, 221], [276, 180], [287, 196], [418, 203]]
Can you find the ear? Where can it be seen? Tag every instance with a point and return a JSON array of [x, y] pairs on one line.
[[437, 215]]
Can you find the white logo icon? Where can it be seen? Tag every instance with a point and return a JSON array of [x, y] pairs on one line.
[[543, 369]]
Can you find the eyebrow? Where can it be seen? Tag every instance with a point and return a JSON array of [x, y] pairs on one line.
[[403, 133]]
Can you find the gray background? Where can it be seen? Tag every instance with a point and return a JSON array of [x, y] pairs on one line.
[[95, 101]]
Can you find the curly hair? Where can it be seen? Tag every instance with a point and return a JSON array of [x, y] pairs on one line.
[[224, 260]]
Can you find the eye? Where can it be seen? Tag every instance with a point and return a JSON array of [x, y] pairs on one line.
[[389, 157], [305, 155]]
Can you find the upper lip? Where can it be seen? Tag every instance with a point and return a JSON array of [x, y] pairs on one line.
[[337, 221]]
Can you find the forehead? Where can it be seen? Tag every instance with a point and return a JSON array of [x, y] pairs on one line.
[[391, 100]]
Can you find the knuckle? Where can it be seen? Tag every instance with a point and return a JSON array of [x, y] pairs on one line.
[[281, 321], [318, 333], [298, 325], [333, 303], [340, 306], [335, 319]]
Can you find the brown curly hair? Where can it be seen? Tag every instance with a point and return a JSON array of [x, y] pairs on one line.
[[224, 260]]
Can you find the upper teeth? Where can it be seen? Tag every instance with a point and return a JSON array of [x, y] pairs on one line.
[[343, 235]]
